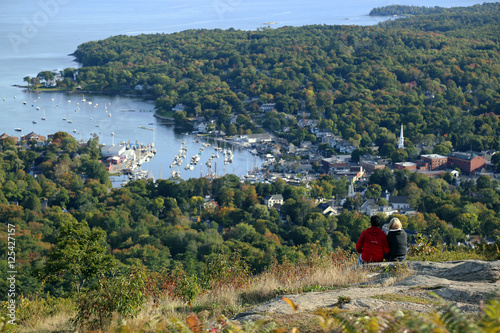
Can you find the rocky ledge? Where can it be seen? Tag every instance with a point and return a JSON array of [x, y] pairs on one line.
[[465, 283]]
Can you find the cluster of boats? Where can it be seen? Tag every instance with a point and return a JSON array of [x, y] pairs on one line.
[[178, 159], [195, 159], [138, 174], [67, 117]]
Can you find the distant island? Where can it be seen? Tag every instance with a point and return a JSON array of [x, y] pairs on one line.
[[406, 10]]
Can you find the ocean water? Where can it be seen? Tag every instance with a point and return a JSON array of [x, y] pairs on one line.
[[38, 35]]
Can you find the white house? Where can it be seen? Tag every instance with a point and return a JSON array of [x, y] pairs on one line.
[[327, 209], [399, 202], [271, 200], [202, 127], [178, 107], [267, 107]]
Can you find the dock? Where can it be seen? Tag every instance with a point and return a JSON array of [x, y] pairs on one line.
[[134, 156]]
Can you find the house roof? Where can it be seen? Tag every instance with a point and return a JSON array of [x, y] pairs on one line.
[[368, 202], [274, 196], [463, 156], [398, 199], [323, 206], [433, 156]]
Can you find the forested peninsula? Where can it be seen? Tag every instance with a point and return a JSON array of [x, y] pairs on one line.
[[94, 254], [436, 73]]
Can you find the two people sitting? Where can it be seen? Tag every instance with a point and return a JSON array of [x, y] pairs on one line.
[[374, 245]]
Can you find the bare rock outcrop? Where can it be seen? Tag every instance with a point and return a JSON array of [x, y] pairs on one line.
[[464, 283], [464, 270]]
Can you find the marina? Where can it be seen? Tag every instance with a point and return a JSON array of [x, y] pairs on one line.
[[71, 114]]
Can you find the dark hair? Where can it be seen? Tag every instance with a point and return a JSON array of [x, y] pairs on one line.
[[375, 220]]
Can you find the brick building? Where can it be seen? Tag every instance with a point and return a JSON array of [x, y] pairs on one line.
[[468, 163], [405, 166], [370, 164], [435, 161]]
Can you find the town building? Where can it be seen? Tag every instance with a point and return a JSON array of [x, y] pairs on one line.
[[267, 107], [468, 163], [405, 166], [399, 202], [327, 208], [179, 107], [110, 151], [4, 136], [32, 136], [370, 163], [435, 161], [353, 174], [271, 200], [370, 207], [338, 162], [256, 138]]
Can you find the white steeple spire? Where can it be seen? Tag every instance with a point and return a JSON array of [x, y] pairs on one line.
[[401, 143]]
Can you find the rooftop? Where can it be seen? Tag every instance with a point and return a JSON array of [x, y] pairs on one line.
[[433, 156], [463, 156]]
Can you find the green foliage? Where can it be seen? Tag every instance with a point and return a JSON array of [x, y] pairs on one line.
[[423, 247], [187, 287], [222, 270], [397, 269], [79, 252], [490, 251], [123, 294], [31, 311], [431, 72]]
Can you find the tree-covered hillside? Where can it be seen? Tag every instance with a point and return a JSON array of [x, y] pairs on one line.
[[435, 73], [72, 227]]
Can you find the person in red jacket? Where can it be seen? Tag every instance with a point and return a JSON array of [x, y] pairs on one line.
[[372, 243]]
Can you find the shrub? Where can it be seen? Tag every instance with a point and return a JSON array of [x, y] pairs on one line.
[[124, 295]]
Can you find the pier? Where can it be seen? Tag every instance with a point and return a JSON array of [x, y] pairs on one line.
[[129, 158]]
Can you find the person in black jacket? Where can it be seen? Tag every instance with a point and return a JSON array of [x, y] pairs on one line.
[[397, 241]]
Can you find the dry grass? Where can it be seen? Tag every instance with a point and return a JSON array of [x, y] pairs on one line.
[[60, 322], [315, 273]]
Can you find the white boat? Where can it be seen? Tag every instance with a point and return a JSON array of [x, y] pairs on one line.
[[18, 129], [38, 108], [34, 121]]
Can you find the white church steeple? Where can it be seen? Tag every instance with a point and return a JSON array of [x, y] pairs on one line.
[[401, 143]]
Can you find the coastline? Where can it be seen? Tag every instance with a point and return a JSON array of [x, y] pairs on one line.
[[76, 92]]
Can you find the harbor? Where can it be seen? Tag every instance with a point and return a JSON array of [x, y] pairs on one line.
[[127, 158], [139, 128]]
